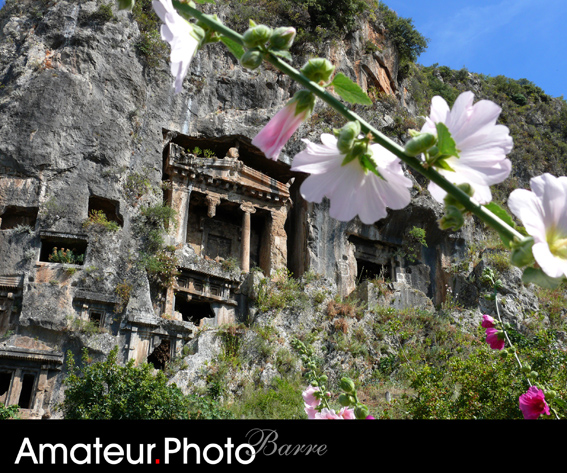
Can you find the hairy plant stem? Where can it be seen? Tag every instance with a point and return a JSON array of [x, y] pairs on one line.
[[463, 198]]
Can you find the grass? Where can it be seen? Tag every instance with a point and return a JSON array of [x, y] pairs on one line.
[[281, 292]]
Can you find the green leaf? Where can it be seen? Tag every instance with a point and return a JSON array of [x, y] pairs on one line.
[[368, 163], [505, 217], [204, 1], [236, 49], [445, 142], [443, 164], [538, 277], [349, 91], [281, 53], [501, 213]]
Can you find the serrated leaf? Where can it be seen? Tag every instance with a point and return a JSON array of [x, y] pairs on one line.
[[349, 90], [538, 277], [236, 49], [445, 142]]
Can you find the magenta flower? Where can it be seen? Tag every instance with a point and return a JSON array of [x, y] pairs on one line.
[[488, 322], [543, 211], [369, 417], [481, 143], [352, 189], [272, 138], [532, 403], [495, 338], [181, 35]]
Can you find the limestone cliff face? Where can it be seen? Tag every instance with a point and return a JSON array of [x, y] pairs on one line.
[[85, 123]]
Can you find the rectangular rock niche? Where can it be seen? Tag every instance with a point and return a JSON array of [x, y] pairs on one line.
[[110, 208], [15, 216], [192, 309], [374, 259], [63, 249]]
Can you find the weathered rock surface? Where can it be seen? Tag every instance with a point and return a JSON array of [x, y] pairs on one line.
[[82, 115]]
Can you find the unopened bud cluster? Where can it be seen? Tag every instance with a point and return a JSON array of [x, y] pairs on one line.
[[261, 39]]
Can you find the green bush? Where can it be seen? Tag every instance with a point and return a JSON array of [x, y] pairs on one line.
[[107, 390], [483, 384], [98, 218], [314, 20], [281, 400], [9, 412], [150, 45], [65, 255], [103, 14], [283, 291]]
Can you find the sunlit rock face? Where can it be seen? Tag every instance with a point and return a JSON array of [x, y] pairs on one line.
[[88, 127]]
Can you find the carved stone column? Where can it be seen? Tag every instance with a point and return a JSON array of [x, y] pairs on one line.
[[248, 209]]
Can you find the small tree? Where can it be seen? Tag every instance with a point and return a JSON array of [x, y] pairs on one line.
[[107, 390]]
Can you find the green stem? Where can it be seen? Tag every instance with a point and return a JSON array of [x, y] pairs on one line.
[[462, 197]]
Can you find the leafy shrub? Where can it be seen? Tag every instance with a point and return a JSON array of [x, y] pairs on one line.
[[123, 291], [280, 400], [107, 390], [137, 185], [9, 412], [283, 291], [157, 259], [103, 14], [98, 219], [314, 20], [64, 255], [150, 45], [162, 266]]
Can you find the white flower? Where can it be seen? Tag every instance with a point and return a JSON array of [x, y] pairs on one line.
[[481, 143], [543, 211], [352, 190], [181, 36]]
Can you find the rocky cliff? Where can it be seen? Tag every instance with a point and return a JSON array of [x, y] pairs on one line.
[[95, 148]]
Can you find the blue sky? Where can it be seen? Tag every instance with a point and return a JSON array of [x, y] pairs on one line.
[[515, 38]]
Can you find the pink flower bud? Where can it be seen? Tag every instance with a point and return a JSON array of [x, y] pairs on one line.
[[273, 137]]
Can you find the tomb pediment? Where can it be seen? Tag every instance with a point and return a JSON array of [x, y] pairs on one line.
[[227, 175]]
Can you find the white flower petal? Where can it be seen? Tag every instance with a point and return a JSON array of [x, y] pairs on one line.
[[551, 265], [178, 33], [458, 118], [482, 144], [543, 211], [552, 193], [527, 207], [439, 110], [351, 190]]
